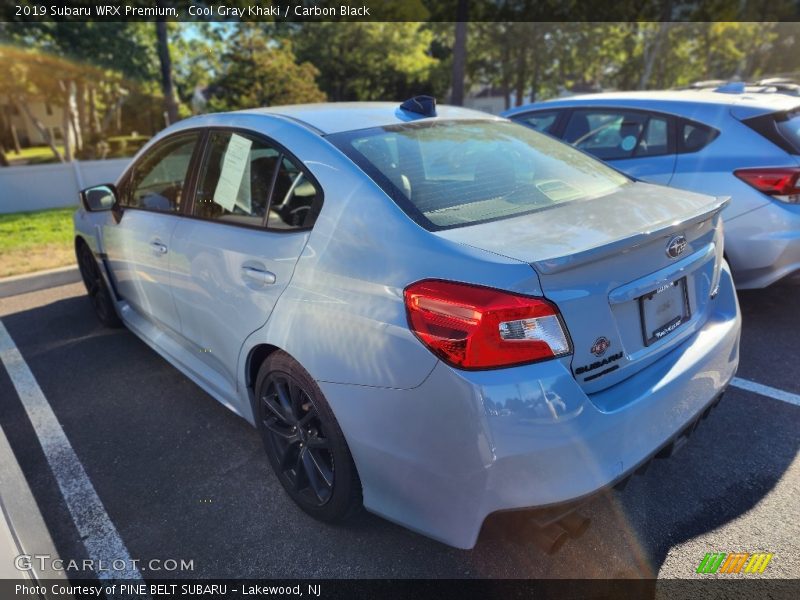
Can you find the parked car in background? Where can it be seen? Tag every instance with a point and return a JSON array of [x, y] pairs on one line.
[[438, 312], [745, 145]]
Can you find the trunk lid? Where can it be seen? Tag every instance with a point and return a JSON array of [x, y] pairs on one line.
[[625, 297]]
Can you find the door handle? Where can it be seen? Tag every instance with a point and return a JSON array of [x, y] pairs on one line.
[[258, 275], [158, 247]]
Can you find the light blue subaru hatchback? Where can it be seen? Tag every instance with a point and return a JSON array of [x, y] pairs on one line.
[[729, 141], [431, 312]]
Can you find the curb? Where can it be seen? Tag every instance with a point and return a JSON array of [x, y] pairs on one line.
[[32, 282]]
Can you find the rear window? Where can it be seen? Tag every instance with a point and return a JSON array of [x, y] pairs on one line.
[[782, 129], [788, 125], [453, 173]]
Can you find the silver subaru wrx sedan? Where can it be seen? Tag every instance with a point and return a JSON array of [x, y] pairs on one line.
[[431, 312]]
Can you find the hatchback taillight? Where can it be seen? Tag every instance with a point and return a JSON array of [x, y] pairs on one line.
[[474, 327], [779, 182]]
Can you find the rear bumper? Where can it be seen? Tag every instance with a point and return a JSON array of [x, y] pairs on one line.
[[441, 457], [763, 246]]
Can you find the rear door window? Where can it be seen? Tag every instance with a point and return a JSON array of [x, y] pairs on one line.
[[618, 134], [245, 180], [295, 198]]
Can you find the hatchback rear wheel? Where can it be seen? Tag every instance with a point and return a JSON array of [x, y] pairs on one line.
[[303, 441]]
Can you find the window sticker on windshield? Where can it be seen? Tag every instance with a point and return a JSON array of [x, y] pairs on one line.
[[236, 162]]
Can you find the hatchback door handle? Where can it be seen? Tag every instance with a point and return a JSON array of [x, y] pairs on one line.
[[158, 247], [258, 275]]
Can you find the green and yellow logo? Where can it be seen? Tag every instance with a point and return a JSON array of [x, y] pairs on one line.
[[737, 562]]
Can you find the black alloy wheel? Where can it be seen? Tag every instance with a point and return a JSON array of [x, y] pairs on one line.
[[295, 432], [99, 294], [303, 441]]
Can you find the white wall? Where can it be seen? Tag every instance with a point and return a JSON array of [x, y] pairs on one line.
[[36, 187]]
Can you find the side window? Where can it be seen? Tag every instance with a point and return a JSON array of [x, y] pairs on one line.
[[295, 199], [693, 136], [615, 135], [540, 121], [655, 141], [235, 179], [156, 182]]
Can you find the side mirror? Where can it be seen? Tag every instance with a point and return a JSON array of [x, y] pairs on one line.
[[99, 197]]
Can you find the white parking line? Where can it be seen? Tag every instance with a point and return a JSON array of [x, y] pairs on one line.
[[765, 390], [99, 536]]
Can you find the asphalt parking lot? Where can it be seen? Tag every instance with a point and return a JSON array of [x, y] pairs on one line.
[[181, 477]]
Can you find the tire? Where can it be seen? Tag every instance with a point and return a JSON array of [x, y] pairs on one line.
[[96, 287], [303, 441]]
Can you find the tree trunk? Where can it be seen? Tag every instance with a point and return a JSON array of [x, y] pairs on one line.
[[113, 110], [653, 53], [460, 53], [77, 134], [83, 125], [94, 119], [505, 76], [521, 74], [67, 121], [3, 159], [23, 107], [167, 87], [535, 80], [15, 139]]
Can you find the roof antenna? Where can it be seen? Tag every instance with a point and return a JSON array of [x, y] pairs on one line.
[[422, 105]]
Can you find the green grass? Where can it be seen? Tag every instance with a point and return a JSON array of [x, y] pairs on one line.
[[33, 241], [34, 154]]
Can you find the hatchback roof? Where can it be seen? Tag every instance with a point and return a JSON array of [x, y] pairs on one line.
[[335, 117], [748, 104]]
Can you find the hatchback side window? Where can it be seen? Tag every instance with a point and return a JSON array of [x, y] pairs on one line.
[[235, 179], [693, 137], [615, 135], [543, 121], [156, 182], [655, 141]]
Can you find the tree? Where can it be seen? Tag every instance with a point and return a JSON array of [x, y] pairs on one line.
[[167, 86], [196, 50], [79, 67], [261, 72], [368, 61]]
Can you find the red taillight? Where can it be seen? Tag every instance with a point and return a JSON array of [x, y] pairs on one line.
[[775, 181], [473, 327]]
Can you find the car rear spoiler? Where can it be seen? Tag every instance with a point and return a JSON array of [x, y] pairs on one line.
[[563, 263]]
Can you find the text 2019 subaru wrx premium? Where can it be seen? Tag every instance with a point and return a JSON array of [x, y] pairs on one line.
[[435, 313]]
